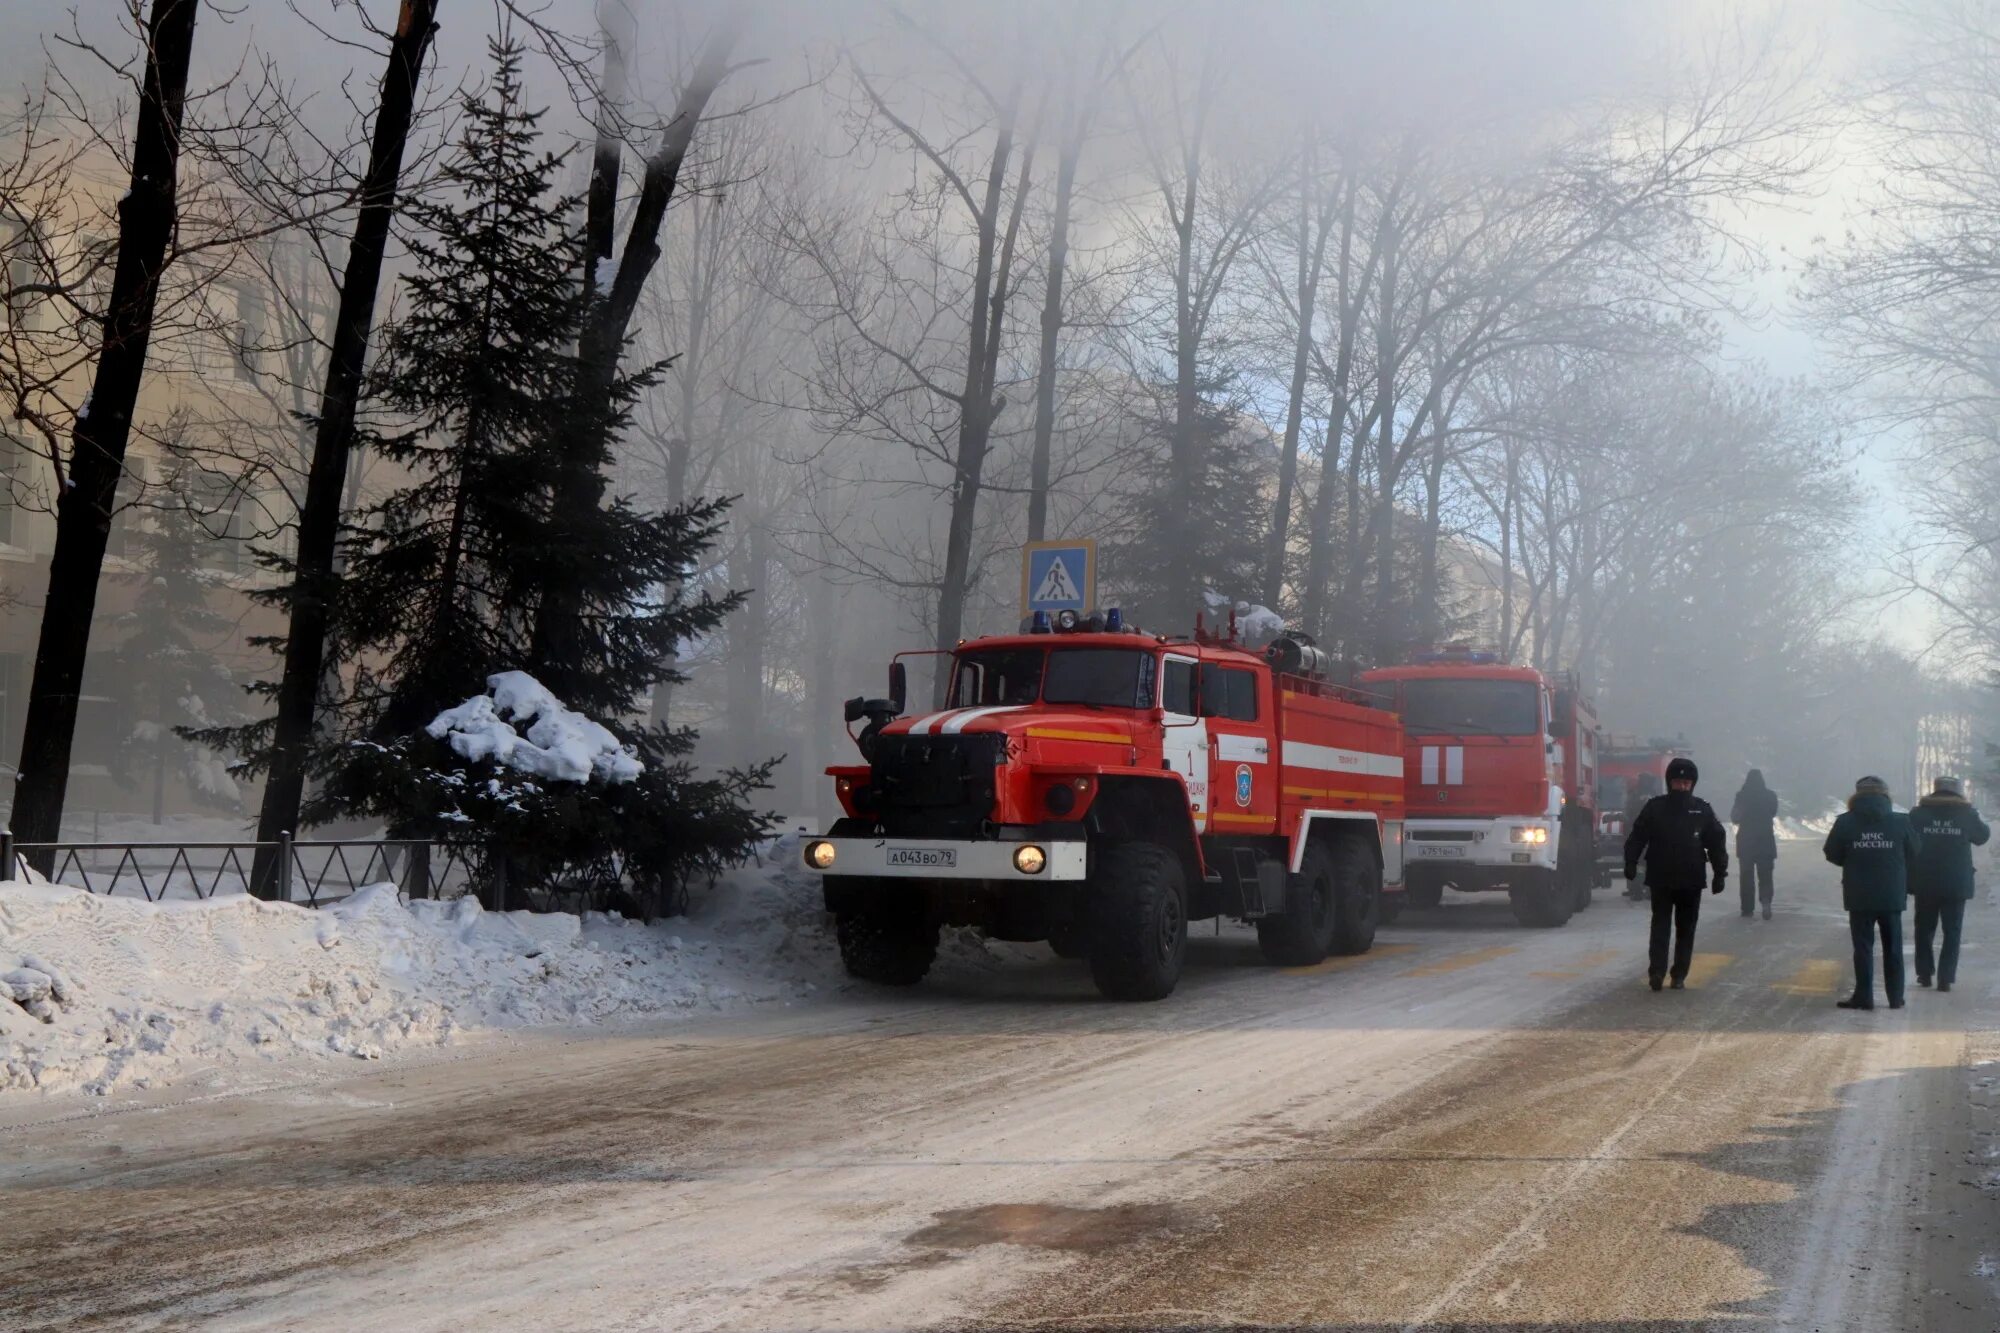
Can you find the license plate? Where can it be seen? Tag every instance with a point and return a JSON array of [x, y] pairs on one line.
[[941, 858], [1438, 849]]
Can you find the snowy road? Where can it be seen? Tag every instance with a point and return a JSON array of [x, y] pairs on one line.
[[1475, 1126]]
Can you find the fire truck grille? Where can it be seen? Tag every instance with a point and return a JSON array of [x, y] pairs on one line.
[[936, 786]]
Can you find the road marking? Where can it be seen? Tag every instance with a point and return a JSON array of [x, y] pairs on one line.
[[1584, 965], [1703, 966], [1460, 962], [1816, 976], [1351, 960]]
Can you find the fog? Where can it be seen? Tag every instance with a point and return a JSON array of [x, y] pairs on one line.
[[1611, 337]]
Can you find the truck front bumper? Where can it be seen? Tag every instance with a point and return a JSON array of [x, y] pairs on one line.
[[1480, 844], [945, 858]]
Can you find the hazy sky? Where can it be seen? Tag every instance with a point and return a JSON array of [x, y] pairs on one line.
[[1443, 59]]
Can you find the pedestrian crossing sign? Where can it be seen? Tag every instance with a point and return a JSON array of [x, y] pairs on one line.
[[1059, 575]]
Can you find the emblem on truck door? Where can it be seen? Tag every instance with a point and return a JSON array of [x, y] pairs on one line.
[[1243, 784]]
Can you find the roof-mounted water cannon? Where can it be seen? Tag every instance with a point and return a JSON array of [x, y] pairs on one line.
[[1295, 654]]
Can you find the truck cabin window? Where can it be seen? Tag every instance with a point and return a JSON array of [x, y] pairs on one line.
[[1103, 677], [1472, 708]]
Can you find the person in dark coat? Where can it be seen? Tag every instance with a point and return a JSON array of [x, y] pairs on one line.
[[1948, 828], [1644, 788], [1680, 837], [1876, 850], [1755, 812]]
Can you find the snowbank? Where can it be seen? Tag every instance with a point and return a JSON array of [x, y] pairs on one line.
[[104, 994], [561, 744]]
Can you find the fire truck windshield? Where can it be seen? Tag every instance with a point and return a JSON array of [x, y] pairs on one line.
[[1095, 677], [1480, 707]]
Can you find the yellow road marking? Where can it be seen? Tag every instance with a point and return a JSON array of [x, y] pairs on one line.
[[1703, 966], [1582, 966], [1462, 961], [1816, 976], [1345, 961]]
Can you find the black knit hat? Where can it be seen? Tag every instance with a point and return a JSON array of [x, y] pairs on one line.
[[1682, 767]]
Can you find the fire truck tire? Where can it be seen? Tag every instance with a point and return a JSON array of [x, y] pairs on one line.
[[888, 948], [1357, 898], [1303, 934], [1424, 889], [1139, 935], [1544, 901]]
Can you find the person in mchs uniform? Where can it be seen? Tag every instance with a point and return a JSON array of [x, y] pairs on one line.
[[1948, 827]]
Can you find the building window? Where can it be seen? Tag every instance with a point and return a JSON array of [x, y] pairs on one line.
[[18, 263], [13, 703], [10, 496]]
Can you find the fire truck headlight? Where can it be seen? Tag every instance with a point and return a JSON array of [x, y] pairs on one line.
[[1531, 834], [1061, 799], [1029, 859], [819, 855]]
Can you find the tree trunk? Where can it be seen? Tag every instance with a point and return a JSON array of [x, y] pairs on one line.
[[314, 579], [1310, 268], [580, 487], [975, 418], [1507, 549], [1430, 618], [1052, 323], [87, 497]]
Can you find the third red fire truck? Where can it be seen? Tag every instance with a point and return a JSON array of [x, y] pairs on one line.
[[1500, 782]]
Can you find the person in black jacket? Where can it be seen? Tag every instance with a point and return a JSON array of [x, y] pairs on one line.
[[1755, 813], [1680, 837]]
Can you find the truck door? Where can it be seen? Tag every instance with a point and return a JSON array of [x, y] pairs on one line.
[[1185, 738], [1243, 772]]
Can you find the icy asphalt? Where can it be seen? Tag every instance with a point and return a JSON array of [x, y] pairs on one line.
[[1475, 1126]]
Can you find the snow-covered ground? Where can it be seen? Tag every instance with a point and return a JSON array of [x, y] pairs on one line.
[[118, 993]]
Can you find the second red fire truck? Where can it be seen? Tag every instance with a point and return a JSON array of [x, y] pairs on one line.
[[1500, 782]]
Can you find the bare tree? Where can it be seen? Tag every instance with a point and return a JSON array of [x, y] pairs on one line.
[[314, 576], [88, 492]]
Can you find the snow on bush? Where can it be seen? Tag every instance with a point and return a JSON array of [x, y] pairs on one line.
[[560, 744]]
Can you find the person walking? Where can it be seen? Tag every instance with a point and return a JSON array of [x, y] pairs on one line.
[[1680, 837], [1755, 812], [1947, 828], [1876, 850], [1644, 788]]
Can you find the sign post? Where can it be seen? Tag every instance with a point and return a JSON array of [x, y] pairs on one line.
[[1059, 576]]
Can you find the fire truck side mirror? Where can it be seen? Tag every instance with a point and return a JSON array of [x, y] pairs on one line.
[[899, 686], [1555, 728]]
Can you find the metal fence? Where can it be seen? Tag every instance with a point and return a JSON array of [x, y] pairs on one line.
[[312, 872]]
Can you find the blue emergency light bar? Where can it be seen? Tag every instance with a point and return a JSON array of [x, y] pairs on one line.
[[1466, 656]]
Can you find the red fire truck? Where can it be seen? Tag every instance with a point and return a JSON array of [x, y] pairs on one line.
[[1500, 781], [1099, 787], [1623, 765]]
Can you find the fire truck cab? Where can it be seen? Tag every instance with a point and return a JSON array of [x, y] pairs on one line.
[[1098, 787], [1500, 782], [1624, 765]]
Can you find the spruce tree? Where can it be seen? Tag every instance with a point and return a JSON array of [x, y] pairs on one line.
[[477, 397], [173, 681], [1223, 520]]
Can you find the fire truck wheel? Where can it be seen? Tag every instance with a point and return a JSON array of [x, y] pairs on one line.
[[889, 948], [1357, 897], [1425, 889], [1544, 900], [1139, 936], [1303, 935]]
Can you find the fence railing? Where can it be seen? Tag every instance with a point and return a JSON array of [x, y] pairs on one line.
[[313, 872]]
